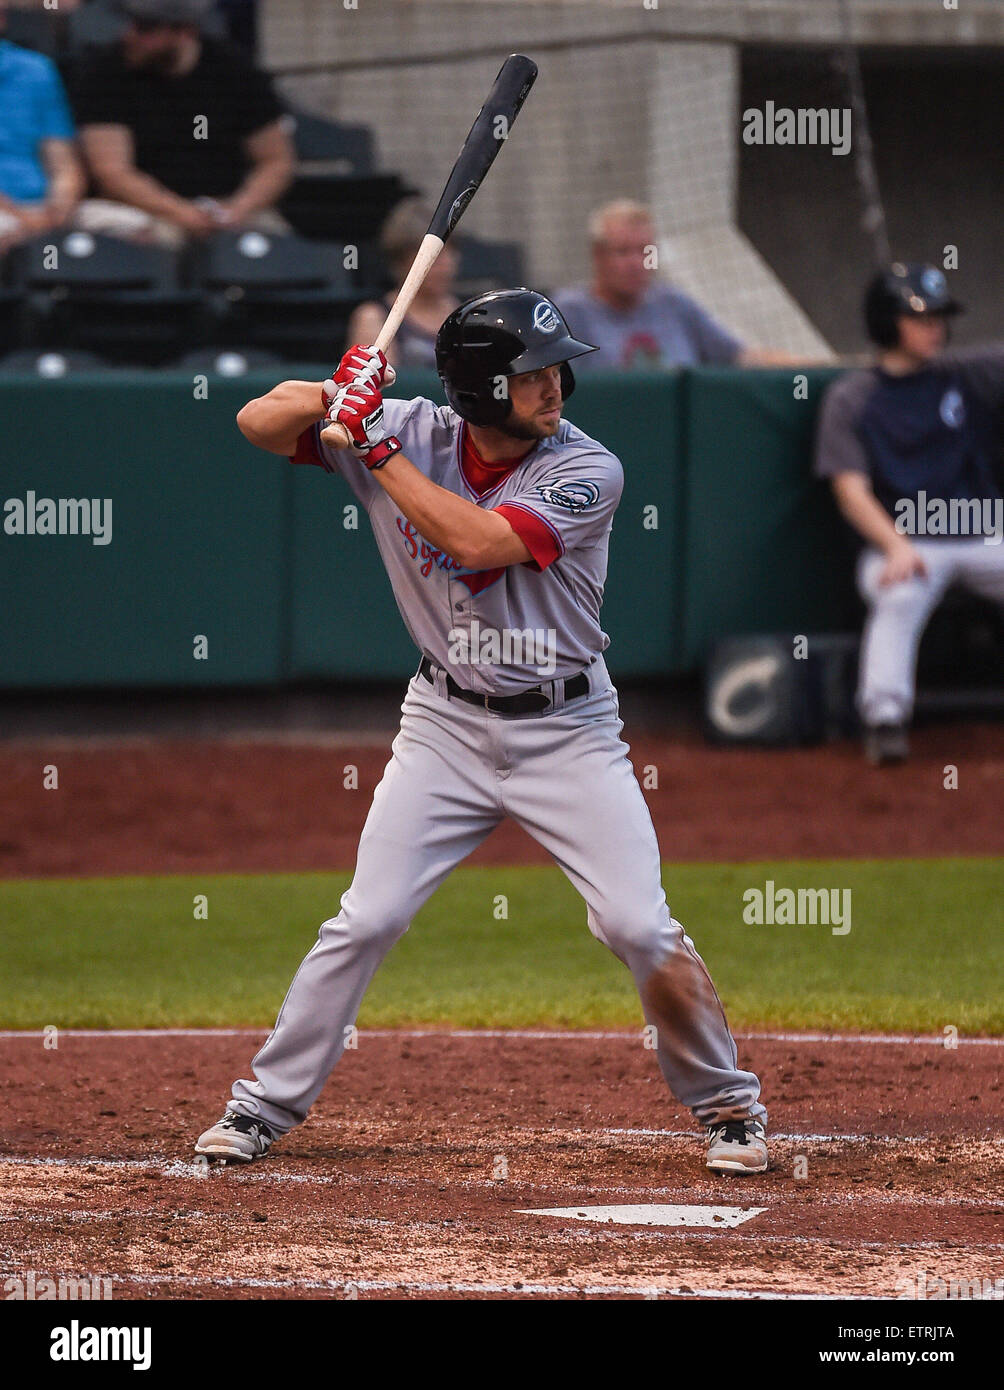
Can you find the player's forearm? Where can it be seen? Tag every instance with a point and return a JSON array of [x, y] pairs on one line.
[[275, 421], [468, 534], [865, 513]]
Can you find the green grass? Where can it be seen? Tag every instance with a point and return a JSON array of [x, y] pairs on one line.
[[926, 949]]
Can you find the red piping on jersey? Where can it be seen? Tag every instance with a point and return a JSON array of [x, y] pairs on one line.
[[308, 448], [507, 466], [520, 506]]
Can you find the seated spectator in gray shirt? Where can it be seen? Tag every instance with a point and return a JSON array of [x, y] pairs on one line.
[[634, 319]]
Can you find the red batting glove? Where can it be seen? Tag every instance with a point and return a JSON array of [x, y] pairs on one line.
[[360, 366], [358, 408]]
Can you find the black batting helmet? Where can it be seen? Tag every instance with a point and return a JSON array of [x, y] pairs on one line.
[[905, 289], [497, 335]]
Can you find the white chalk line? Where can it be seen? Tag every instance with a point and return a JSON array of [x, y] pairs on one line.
[[581, 1233], [277, 1178], [430, 1286], [515, 1034], [772, 1138], [273, 1177]]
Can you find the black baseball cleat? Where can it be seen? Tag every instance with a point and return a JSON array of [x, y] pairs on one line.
[[236, 1139], [886, 744], [737, 1146]]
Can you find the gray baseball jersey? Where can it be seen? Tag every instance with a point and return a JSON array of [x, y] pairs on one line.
[[499, 630], [458, 769]]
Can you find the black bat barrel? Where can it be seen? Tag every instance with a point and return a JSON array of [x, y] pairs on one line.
[[512, 85]]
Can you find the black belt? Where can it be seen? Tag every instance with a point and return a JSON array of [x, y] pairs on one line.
[[530, 701]]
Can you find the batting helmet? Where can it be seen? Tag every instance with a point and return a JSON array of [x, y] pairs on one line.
[[497, 335], [905, 289]]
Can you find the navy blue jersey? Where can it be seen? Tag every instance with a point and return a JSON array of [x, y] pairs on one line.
[[937, 431]]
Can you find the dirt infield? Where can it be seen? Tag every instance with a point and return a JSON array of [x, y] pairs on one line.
[[170, 807], [414, 1175], [419, 1172]]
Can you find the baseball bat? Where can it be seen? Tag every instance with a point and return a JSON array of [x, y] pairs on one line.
[[484, 140]]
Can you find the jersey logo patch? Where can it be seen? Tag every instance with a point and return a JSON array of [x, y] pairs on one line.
[[952, 409], [574, 496]]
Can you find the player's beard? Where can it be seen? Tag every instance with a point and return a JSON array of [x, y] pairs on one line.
[[527, 429]]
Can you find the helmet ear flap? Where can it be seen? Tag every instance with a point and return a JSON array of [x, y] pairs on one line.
[[567, 381], [477, 406]]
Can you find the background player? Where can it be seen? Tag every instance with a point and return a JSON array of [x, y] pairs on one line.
[[492, 517], [914, 435]]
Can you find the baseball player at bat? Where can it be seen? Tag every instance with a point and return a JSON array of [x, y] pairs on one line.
[[492, 516]]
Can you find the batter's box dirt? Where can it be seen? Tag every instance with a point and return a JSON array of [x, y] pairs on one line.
[[417, 1176]]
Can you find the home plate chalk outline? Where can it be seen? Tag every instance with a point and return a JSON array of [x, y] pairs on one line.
[[715, 1218]]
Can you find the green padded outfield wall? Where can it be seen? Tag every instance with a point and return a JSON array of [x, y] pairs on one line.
[[766, 550], [720, 530], [641, 421], [200, 525]]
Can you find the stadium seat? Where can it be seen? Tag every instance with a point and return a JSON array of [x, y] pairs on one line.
[[349, 207], [12, 330], [226, 361], [488, 265], [329, 146], [51, 363], [238, 262], [105, 295], [280, 294], [336, 192]]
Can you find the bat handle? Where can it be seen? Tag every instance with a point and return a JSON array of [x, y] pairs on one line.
[[336, 436]]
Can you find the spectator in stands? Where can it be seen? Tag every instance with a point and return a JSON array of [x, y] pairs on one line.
[[912, 448], [40, 176], [400, 238], [183, 135], [635, 319]]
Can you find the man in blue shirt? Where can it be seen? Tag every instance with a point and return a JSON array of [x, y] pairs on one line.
[[912, 449], [40, 176], [637, 321]]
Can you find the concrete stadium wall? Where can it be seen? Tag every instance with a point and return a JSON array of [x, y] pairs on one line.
[[614, 113]]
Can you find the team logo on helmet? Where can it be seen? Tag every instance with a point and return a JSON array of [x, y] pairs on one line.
[[573, 496], [545, 317], [952, 409], [932, 282]]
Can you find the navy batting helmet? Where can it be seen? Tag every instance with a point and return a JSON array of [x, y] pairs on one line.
[[905, 289], [497, 335]]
